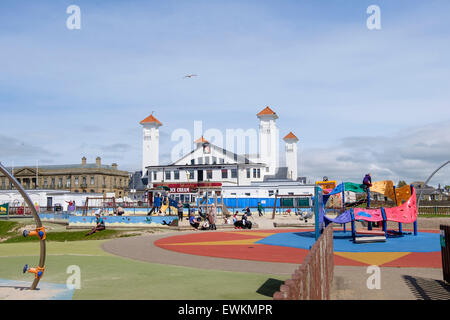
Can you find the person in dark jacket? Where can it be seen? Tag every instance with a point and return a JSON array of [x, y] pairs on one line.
[[180, 211], [367, 181]]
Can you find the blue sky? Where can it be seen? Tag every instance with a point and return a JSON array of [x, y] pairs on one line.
[[359, 100]]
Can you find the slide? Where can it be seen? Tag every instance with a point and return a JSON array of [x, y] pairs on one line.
[[165, 206]]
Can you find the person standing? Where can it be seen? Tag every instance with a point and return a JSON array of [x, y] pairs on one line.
[[156, 205], [212, 217], [260, 209], [180, 211]]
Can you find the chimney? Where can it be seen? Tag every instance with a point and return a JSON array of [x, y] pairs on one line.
[[98, 161], [83, 161], [114, 166]]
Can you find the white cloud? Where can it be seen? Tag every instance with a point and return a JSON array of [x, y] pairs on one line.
[[408, 155]]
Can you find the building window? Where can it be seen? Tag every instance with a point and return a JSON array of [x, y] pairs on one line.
[[200, 161], [258, 173], [270, 193], [208, 174], [235, 157], [53, 182], [84, 181], [92, 180], [68, 182], [176, 175], [214, 160], [221, 161], [233, 173], [168, 174], [155, 175], [224, 173], [76, 181], [247, 194], [60, 182], [206, 160], [248, 173], [192, 161], [254, 172]]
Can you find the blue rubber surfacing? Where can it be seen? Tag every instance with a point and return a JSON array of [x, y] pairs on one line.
[[342, 242]]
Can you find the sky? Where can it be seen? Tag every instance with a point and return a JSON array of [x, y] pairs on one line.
[[359, 100]]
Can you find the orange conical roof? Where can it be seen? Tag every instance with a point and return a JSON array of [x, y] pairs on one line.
[[201, 140], [151, 119], [265, 111], [290, 136]]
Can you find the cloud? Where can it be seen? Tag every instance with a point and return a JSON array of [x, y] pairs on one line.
[[12, 149], [409, 155], [116, 148]]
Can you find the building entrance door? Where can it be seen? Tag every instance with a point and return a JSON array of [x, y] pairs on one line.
[[199, 175]]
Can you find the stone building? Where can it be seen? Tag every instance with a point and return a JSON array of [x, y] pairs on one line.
[[79, 178]]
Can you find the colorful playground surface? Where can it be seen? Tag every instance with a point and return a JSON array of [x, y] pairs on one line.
[[292, 246]]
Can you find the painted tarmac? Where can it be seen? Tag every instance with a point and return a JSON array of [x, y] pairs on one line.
[[291, 246]]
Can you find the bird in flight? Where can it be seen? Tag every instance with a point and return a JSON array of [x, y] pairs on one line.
[[190, 75]]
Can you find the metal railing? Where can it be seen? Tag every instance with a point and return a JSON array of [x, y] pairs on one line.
[[434, 210]]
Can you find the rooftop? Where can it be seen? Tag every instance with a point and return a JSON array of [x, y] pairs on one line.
[[267, 112], [151, 119]]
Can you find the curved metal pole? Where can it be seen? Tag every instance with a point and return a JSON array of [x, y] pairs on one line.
[[35, 216], [429, 178]]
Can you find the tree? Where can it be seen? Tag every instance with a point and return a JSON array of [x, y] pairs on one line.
[[401, 183], [447, 188]]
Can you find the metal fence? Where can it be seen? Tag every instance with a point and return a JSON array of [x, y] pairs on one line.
[[434, 210], [313, 279]]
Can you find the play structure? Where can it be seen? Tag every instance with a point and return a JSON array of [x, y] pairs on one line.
[[107, 204], [404, 212], [168, 204], [206, 202], [39, 231], [287, 203]]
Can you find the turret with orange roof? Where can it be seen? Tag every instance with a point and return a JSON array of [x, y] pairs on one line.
[[267, 113], [151, 119], [290, 136]]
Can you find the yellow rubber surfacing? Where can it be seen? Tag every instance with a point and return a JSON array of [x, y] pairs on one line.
[[372, 258]]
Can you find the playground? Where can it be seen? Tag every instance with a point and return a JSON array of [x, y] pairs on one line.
[[224, 264], [248, 264]]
